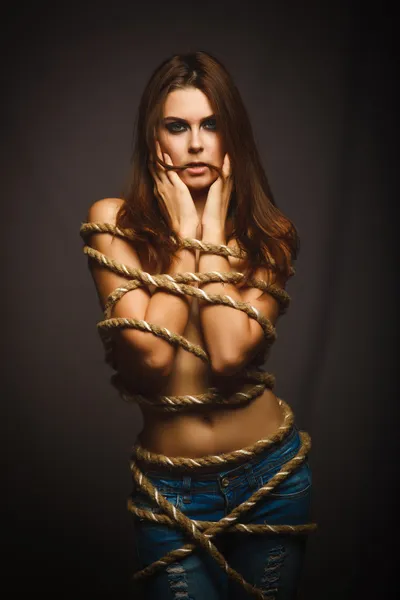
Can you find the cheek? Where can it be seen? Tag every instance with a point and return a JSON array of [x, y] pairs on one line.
[[172, 146], [217, 149]]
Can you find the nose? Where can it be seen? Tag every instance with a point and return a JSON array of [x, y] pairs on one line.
[[195, 143]]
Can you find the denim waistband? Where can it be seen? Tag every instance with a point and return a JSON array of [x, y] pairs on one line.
[[268, 453]]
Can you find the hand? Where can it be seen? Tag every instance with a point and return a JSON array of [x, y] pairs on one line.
[[173, 193], [219, 194]]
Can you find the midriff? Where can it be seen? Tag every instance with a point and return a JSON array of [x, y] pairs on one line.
[[211, 430]]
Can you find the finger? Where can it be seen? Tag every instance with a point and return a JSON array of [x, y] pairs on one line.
[[173, 175], [160, 156], [155, 191], [153, 172], [156, 169], [161, 170], [226, 166]]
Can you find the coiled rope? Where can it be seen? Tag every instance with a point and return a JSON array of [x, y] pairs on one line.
[[201, 532]]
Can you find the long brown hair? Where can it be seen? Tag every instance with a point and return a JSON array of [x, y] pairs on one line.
[[259, 227]]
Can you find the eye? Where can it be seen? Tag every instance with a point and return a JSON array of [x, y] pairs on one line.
[[175, 127], [211, 124]]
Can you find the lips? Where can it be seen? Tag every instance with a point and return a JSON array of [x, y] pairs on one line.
[[197, 169]]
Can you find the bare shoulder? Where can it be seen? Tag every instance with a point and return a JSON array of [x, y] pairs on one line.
[[115, 248], [104, 210]]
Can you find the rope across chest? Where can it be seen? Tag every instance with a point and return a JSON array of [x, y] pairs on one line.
[[183, 283]]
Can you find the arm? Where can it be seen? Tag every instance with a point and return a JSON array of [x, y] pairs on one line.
[[150, 354], [232, 337]]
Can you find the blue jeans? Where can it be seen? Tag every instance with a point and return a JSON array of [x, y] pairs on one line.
[[271, 562]]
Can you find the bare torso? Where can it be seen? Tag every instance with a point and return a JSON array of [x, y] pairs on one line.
[[207, 429]]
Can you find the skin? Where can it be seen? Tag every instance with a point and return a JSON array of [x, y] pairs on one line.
[[195, 139], [205, 430]]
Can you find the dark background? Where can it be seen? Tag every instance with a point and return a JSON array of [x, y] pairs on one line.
[[318, 82]]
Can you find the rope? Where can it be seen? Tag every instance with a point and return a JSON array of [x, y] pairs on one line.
[[201, 533]]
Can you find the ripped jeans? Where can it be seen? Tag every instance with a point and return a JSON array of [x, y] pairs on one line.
[[271, 562]]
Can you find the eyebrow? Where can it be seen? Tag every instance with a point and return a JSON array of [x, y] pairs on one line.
[[184, 120]]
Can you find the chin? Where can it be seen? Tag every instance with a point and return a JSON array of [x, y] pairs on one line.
[[199, 185]]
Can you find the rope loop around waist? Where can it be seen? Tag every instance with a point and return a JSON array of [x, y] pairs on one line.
[[202, 533]]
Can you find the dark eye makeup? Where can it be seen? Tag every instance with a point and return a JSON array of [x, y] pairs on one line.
[[178, 127]]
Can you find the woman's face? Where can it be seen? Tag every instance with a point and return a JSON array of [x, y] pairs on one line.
[[189, 133]]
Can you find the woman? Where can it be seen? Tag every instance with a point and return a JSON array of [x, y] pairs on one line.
[[187, 343]]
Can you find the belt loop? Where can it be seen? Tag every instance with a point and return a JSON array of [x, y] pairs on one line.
[[250, 475], [187, 480]]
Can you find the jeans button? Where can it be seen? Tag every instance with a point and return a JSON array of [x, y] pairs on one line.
[[225, 482]]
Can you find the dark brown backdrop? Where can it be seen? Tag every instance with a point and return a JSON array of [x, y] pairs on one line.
[[318, 84]]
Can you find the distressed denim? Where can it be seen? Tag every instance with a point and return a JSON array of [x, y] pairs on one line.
[[271, 562]]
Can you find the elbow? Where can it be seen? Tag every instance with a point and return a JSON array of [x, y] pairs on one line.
[[150, 361], [225, 366], [158, 363], [156, 355]]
